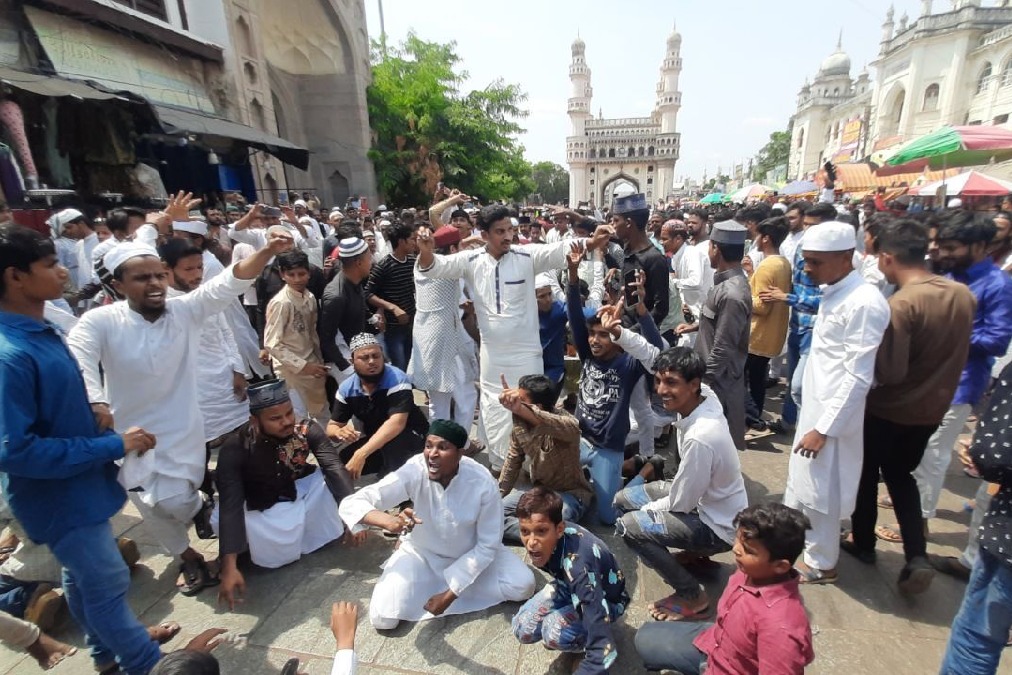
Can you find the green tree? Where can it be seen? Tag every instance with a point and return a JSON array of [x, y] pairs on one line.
[[425, 130], [551, 181], [776, 152]]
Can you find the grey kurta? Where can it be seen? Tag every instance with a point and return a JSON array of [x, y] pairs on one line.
[[723, 342]]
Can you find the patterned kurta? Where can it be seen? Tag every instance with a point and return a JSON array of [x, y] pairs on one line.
[[442, 353]]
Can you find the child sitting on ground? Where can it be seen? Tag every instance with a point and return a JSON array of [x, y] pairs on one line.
[[761, 622], [574, 612]]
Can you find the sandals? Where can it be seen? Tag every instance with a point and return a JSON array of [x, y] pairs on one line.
[[672, 609], [890, 533], [196, 577], [885, 502], [864, 555], [814, 577]]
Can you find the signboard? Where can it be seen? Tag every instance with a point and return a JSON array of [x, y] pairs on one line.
[[849, 141], [83, 52]]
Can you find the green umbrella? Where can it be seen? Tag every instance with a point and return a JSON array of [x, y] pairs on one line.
[[714, 198], [955, 147]]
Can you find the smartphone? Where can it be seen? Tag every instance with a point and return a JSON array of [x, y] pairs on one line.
[[631, 296], [271, 212]]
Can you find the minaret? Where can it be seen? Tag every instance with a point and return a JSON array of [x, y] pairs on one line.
[[887, 29], [669, 102], [579, 113], [669, 99]]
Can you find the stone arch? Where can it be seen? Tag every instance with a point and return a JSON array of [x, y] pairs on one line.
[[892, 111], [931, 97], [621, 176], [984, 79], [246, 45]]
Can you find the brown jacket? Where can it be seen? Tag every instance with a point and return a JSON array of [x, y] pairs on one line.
[[554, 450]]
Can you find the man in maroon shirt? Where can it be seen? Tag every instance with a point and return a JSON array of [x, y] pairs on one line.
[[761, 623]]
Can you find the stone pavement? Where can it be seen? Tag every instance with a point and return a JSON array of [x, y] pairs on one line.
[[862, 625]]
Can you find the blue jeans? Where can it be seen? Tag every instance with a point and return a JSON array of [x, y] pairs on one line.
[[15, 594], [605, 467], [651, 533], [95, 582], [798, 346], [398, 346], [667, 645], [572, 511], [981, 627]]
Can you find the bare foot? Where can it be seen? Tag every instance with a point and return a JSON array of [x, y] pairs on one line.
[[49, 652], [164, 631]]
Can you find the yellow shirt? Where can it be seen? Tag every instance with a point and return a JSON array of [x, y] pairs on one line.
[[769, 319]]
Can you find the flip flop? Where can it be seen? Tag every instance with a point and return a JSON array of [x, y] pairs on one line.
[[890, 533], [812, 576], [671, 610], [885, 502]]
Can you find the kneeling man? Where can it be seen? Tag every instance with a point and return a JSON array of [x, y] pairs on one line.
[[272, 501], [451, 559]]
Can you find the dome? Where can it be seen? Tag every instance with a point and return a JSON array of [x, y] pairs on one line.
[[579, 45], [837, 63], [675, 37]]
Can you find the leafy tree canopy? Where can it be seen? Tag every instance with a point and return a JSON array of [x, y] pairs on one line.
[[551, 182], [426, 130]]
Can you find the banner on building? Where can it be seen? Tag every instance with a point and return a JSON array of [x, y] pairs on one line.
[[849, 141]]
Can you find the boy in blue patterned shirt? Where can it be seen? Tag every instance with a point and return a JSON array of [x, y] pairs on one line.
[[574, 612]]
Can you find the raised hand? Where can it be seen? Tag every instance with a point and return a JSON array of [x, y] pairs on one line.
[[180, 205], [575, 255]]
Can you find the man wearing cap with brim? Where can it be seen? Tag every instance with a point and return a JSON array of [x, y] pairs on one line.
[[274, 503], [501, 280], [723, 324], [451, 559], [391, 427], [343, 309], [443, 362], [139, 362], [828, 447]]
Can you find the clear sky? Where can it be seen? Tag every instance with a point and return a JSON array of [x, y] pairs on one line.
[[743, 61]]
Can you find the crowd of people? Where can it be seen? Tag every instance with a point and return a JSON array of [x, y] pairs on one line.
[[470, 379]]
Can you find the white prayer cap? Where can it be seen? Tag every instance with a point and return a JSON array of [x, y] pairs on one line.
[[515, 222], [191, 226], [384, 223], [831, 236], [300, 202], [127, 250], [59, 220], [542, 280], [337, 211], [955, 203]]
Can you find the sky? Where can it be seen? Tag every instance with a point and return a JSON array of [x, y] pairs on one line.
[[743, 61]]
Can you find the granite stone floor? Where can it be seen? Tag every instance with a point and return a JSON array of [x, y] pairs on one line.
[[862, 625]]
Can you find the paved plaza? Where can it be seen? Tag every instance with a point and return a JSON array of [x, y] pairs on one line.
[[862, 625]]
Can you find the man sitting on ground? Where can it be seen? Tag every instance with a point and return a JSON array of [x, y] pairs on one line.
[[452, 560], [273, 502], [761, 623], [552, 442], [694, 511], [586, 594], [379, 396]]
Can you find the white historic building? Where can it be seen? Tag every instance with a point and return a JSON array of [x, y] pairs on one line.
[[953, 66], [623, 156]]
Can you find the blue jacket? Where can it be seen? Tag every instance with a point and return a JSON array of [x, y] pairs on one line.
[[992, 327], [602, 406], [58, 470], [553, 341]]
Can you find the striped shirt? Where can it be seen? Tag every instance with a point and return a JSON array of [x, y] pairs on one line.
[[393, 280]]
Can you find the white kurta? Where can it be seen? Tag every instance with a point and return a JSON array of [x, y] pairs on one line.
[[243, 335], [458, 545], [841, 365], [688, 271], [507, 312], [217, 360], [442, 353], [150, 382]]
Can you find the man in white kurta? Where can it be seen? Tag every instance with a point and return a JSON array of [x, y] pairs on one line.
[[139, 362], [451, 547], [500, 278], [825, 466]]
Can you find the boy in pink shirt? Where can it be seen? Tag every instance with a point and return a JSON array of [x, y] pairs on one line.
[[761, 622]]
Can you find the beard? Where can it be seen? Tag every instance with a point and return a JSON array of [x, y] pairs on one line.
[[371, 379]]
